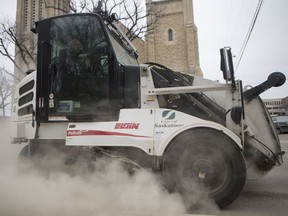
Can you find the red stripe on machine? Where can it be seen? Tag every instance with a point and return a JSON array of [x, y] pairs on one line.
[[99, 133]]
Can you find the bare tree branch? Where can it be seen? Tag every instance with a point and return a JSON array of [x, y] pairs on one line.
[[5, 92], [133, 15], [10, 74], [19, 45]]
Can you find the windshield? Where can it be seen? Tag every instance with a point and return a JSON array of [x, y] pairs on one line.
[[280, 118]]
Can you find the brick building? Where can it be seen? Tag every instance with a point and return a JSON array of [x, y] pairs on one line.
[[275, 106], [174, 40]]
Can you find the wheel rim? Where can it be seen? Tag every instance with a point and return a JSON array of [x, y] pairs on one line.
[[208, 170]]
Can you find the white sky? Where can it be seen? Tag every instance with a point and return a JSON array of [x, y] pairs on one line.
[[225, 23]]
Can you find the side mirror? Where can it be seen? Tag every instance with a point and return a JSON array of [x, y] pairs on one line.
[[227, 64]]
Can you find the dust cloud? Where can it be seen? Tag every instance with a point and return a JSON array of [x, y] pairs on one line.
[[112, 191]]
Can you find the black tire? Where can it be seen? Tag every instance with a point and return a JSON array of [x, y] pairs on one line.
[[209, 159]]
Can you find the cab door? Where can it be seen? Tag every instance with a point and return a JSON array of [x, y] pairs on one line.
[[76, 67]]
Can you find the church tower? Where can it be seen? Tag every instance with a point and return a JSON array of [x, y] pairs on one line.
[[173, 41], [28, 12]]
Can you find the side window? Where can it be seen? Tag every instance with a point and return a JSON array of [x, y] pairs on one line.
[[25, 101], [79, 69]]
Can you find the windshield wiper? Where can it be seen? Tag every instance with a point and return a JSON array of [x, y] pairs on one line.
[[122, 36]]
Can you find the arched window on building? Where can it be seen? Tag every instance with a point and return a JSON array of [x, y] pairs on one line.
[[170, 34]]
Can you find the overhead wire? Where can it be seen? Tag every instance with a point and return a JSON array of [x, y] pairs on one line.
[[250, 30], [239, 26]]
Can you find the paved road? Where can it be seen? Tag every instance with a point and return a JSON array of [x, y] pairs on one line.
[[267, 196]]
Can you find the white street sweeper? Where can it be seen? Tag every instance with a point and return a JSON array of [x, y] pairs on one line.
[[89, 92]]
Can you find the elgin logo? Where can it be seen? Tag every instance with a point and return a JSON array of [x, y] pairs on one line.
[[126, 125]]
